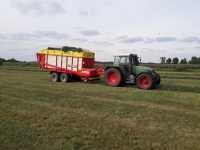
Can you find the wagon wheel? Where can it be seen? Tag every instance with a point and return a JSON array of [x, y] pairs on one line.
[[54, 77], [64, 77]]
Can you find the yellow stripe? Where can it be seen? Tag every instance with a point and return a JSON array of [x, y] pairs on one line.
[[84, 53]]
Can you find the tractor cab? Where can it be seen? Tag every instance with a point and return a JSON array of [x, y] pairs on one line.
[[131, 59], [127, 63]]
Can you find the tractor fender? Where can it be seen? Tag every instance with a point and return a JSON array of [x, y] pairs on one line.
[[143, 73]]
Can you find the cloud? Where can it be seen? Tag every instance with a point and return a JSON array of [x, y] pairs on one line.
[[126, 39], [192, 39], [40, 7], [196, 47], [20, 36], [89, 32], [2, 36], [51, 35], [84, 13], [149, 40], [38, 35], [165, 39], [79, 39], [103, 43]]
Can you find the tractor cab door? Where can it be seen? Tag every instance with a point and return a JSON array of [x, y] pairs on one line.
[[122, 62], [133, 62]]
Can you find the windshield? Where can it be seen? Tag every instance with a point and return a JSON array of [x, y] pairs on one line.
[[121, 60], [125, 60]]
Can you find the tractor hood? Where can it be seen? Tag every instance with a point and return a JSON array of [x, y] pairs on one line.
[[140, 69]]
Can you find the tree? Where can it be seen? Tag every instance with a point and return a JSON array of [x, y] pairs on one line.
[[2, 60], [183, 61], [169, 60], [195, 60], [12, 60], [163, 60], [175, 60]]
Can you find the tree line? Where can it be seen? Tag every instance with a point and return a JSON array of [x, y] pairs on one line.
[[176, 60], [12, 60]]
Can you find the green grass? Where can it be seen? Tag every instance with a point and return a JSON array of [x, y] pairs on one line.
[[38, 114], [177, 67]]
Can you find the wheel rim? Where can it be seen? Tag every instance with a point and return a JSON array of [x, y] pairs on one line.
[[112, 78], [64, 78], [145, 82], [54, 77]]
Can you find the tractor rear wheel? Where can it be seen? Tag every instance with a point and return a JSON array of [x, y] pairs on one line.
[[54, 77], [64, 77], [145, 81], [113, 77]]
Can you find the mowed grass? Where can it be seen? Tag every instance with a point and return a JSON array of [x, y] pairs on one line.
[[38, 114]]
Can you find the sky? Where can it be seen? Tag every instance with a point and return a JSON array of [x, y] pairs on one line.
[[149, 28]]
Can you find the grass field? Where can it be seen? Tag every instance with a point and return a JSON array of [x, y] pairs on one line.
[[36, 114]]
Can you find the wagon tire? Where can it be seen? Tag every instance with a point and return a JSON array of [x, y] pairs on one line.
[[113, 77], [145, 81], [54, 77], [64, 77]]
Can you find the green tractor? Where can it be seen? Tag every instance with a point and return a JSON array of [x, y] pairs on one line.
[[127, 70]]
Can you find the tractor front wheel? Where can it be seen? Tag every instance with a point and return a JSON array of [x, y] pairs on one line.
[[145, 81], [113, 77]]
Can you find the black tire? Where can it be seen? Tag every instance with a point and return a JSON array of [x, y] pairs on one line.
[[64, 77], [113, 77], [54, 77], [157, 82], [145, 81]]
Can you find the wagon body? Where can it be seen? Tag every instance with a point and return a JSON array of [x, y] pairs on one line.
[[79, 63]]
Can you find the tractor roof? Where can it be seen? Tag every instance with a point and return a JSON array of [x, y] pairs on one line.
[[125, 55]]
